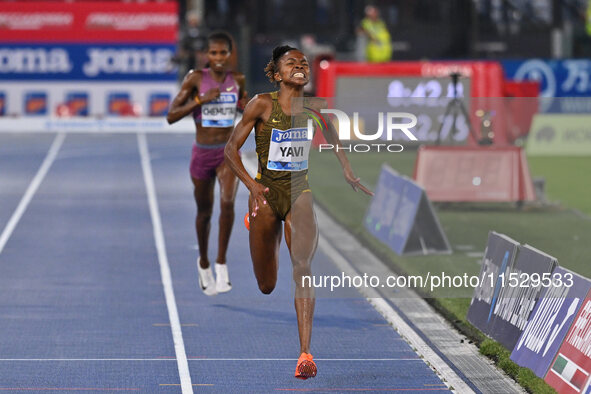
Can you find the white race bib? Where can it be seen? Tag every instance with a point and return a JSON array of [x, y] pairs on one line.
[[220, 112], [289, 150]]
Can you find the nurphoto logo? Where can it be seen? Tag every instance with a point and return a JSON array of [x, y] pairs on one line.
[[388, 123]]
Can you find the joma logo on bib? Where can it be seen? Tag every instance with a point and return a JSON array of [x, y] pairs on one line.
[[299, 134], [226, 98]]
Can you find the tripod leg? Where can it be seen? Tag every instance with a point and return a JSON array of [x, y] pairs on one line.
[[448, 109]]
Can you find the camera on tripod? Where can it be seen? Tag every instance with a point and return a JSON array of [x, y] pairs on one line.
[[454, 83], [456, 106]]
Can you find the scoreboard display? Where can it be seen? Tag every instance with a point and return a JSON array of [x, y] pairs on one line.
[[424, 89], [425, 97]]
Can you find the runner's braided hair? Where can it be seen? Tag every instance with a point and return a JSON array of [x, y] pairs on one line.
[[272, 68]]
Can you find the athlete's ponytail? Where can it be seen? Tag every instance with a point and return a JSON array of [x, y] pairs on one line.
[[271, 68]]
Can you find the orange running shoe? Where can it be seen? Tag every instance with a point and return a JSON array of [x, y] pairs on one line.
[[306, 367]]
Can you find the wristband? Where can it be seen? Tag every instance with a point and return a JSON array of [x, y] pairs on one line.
[[197, 99]]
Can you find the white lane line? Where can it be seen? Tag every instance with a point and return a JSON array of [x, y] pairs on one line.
[[87, 359], [32, 189], [317, 359], [205, 359], [173, 316], [376, 300]]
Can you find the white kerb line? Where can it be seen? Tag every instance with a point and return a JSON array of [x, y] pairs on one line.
[[173, 316], [32, 189]]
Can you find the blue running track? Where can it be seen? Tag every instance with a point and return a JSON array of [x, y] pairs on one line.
[[82, 303]]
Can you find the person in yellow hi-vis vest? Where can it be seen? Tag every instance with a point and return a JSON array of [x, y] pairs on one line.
[[379, 47], [588, 18]]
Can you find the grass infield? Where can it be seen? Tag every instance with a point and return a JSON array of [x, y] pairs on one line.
[[561, 228]]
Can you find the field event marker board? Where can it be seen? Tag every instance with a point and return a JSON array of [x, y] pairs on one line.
[[401, 216]]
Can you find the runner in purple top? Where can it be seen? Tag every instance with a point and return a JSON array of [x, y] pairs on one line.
[[212, 95]]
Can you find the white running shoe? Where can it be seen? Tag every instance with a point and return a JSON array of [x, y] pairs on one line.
[[222, 282], [206, 280]]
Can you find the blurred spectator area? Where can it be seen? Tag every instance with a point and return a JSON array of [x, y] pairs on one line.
[[420, 29], [530, 28], [433, 29]]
